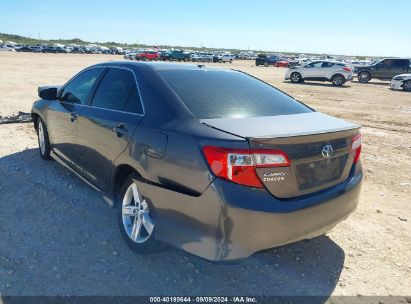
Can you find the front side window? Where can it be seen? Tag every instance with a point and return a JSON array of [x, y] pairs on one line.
[[118, 91], [388, 63], [78, 89], [220, 94]]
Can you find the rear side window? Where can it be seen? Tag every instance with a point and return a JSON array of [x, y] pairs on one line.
[[400, 63], [79, 88], [327, 64], [220, 94], [118, 91], [317, 64]]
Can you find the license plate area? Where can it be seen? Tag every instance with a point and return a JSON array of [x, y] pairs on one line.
[[321, 172]]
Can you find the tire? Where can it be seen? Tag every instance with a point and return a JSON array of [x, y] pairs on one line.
[[338, 80], [406, 86], [364, 77], [43, 140], [138, 231], [295, 77]]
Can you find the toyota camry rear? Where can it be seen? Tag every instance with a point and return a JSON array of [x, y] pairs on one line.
[[216, 162]]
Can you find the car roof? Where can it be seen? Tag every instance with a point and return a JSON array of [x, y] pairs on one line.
[[161, 66]]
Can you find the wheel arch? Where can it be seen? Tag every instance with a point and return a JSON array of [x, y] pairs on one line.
[[298, 72], [35, 117], [337, 74], [121, 172], [366, 71]]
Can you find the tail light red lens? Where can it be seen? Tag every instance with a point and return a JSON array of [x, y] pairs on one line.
[[239, 165], [356, 147], [347, 69]]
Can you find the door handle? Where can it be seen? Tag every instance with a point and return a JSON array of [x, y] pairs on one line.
[[120, 130], [73, 116]]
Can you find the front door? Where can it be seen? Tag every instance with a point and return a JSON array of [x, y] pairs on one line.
[[62, 114], [105, 127]]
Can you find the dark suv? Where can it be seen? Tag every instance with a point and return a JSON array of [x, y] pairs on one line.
[[266, 60], [385, 69]]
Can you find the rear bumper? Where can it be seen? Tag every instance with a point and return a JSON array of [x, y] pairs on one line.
[[255, 231], [230, 221]]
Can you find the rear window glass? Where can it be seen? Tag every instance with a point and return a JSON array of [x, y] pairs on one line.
[[219, 94]]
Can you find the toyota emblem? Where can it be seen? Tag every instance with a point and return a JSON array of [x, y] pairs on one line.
[[327, 151]]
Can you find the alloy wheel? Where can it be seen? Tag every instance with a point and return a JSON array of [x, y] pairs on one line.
[[338, 80], [407, 86], [137, 221], [42, 142], [364, 77], [295, 77]]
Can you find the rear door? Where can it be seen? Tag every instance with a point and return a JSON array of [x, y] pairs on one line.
[[107, 124], [327, 69], [401, 66], [62, 114]]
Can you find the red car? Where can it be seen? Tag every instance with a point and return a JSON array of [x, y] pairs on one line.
[[281, 64], [147, 55]]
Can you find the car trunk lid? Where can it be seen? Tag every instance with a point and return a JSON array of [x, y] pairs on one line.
[[306, 139]]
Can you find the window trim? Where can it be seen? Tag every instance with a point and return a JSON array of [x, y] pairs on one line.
[[93, 88], [120, 111], [96, 85]]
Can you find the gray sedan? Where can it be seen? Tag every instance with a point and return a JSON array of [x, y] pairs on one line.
[[212, 161]]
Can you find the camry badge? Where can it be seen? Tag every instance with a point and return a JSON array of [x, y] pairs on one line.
[[327, 151]]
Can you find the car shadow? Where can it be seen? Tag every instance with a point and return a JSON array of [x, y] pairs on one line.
[[319, 84], [379, 83], [59, 238]]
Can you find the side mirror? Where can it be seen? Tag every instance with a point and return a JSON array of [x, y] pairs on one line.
[[48, 92]]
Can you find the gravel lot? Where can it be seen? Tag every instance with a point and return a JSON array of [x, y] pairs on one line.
[[58, 237]]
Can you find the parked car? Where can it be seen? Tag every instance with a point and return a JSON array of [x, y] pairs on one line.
[[37, 49], [179, 55], [384, 69], [165, 55], [201, 57], [226, 58], [24, 49], [402, 81], [211, 161], [336, 72], [147, 55], [6, 49], [266, 61], [281, 64]]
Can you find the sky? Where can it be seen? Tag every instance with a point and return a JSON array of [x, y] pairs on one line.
[[349, 27]]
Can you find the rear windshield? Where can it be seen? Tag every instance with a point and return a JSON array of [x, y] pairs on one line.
[[221, 94]]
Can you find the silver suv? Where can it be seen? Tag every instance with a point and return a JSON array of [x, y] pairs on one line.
[[336, 72]]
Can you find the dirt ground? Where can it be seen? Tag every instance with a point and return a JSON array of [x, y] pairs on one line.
[[57, 237]]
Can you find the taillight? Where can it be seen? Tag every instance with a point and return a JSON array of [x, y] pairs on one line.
[[239, 165], [347, 69], [356, 147]]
